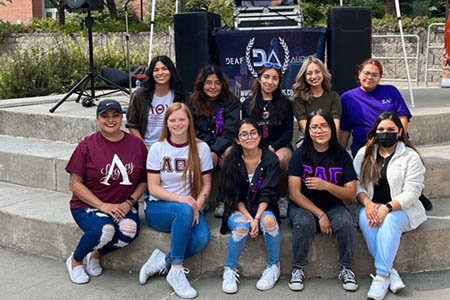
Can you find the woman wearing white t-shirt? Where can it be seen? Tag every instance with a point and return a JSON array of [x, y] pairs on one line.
[[149, 103], [179, 170]]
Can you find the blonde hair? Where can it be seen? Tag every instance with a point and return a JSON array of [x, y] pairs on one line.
[[193, 167], [302, 90]]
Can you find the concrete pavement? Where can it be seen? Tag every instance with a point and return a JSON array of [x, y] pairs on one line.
[[25, 276]]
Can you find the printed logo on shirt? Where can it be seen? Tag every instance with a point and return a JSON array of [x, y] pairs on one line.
[[159, 109], [177, 165], [386, 101], [219, 122], [320, 172], [254, 191], [115, 169]]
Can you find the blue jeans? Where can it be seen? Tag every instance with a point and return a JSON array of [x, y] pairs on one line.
[[174, 217], [101, 233], [383, 241], [237, 240], [305, 225]]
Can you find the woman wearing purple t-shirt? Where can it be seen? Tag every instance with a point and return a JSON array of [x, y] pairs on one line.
[[106, 179], [362, 105]]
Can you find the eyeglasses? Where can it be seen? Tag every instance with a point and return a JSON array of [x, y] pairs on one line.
[[213, 83], [367, 74], [272, 65], [323, 127], [246, 135]]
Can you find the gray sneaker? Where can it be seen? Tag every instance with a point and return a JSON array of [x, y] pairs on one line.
[[283, 206], [218, 212]]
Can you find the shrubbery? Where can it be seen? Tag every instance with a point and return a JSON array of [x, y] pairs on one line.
[[39, 72]]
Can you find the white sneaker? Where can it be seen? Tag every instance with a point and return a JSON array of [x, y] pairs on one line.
[[283, 206], [155, 264], [179, 283], [93, 266], [378, 288], [395, 281], [218, 212], [230, 281], [77, 274], [269, 278]]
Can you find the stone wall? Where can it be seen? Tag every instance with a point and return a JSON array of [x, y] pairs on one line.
[[162, 44]]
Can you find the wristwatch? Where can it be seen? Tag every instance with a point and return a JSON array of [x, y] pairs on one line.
[[389, 206]]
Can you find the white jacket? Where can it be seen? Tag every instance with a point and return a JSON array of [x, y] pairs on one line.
[[405, 174]]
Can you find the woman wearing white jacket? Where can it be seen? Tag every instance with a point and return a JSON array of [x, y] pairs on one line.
[[390, 180]]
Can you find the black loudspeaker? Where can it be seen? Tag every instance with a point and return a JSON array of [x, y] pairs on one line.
[[194, 47], [349, 44], [84, 5]]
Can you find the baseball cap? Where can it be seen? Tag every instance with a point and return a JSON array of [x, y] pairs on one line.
[[108, 104]]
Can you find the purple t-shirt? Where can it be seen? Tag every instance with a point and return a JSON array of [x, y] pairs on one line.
[[360, 109], [110, 170]]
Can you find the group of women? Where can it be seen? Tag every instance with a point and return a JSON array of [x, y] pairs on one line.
[[173, 148]]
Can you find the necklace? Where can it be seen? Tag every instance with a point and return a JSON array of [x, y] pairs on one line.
[[266, 114]]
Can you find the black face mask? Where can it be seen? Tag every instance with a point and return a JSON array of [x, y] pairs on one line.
[[386, 139]]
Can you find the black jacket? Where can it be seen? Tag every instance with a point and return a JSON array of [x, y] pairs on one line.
[[205, 126], [279, 130], [269, 172], [137, 114]]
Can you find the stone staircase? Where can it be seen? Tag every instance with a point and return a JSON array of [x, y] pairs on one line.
[[34, 197]]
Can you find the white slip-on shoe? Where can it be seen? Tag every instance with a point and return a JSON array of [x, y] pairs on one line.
[[269, 278], [93, 266], [156, 264], [395, 281], [77, 274], [378, 288], [230, 280], [179, 283]]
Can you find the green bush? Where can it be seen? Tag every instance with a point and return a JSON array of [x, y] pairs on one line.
[[40, 72], [6, 29]]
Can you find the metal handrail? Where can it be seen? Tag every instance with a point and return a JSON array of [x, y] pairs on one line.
[[428, 51], [416, 57]]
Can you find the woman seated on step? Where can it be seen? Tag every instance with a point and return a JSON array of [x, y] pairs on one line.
[[216, 113], [179, 170], [312, 91], [272, 112], [249, 190], [106, 179], [390, 179], [321, 177]]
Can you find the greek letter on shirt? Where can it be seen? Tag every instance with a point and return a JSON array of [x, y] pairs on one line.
[[112, 172], [320, 172]]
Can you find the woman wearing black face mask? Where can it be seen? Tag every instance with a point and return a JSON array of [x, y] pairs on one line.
[[390, 179]]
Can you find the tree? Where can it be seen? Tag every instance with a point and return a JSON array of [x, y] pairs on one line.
[[112, 8], [2, 2], [59, 5]]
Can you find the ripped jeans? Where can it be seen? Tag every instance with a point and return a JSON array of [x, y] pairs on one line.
[[101, 233], [237, 240]]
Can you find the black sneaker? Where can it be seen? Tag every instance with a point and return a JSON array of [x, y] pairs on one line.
[[348, 279], [425, 202], [297, 279]]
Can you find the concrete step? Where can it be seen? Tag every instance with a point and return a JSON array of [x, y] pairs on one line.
[[71, 122], [40, 163], [38, 221], [35, 162]]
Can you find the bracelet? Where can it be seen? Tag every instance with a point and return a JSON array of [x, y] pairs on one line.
[[321, 216], [129, 203], [204, 195], [132, 200]]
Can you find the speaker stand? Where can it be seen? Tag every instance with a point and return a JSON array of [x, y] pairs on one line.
[[90, 77]]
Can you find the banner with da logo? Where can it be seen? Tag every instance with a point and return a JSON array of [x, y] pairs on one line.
[[241, 53]]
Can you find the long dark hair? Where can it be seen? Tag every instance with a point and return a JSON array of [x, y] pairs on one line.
[[335, 150], [370, 170], [255, 108], [199, 100], [231, 181], [175, 82]]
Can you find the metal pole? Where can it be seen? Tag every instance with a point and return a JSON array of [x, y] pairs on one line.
[[399, 18], [127, 38], [152, 23]]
